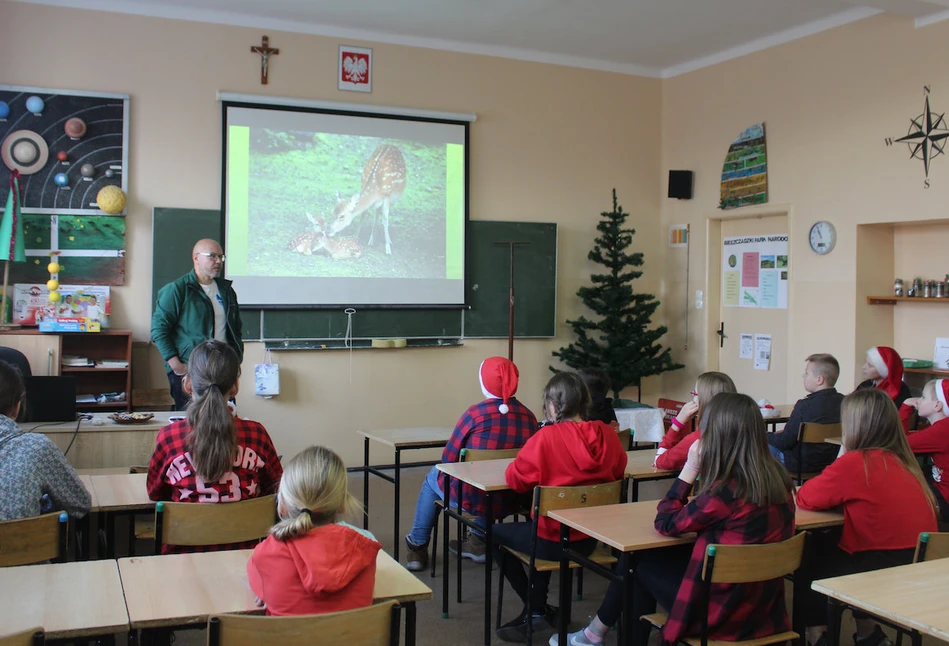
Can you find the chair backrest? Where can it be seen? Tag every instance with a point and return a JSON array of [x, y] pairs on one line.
[[476, 455], [751, 563], [31, 540], [625, 436], [376, 625], [189, 523], [548, 499], [813, 432], [670, 408], [932, 546], [31, 637]]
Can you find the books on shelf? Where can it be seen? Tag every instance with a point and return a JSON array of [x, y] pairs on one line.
[[112, 363], [85, 399], [73, 361]]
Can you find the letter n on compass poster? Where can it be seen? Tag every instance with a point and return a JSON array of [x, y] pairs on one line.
[[67, 146]]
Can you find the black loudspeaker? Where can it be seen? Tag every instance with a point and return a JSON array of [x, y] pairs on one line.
[[680, 184]]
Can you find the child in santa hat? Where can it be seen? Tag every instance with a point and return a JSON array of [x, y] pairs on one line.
[[934, 406], [884, 370], [498, 422]]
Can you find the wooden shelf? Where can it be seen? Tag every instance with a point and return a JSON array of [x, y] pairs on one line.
[[893, 300], [66, 369], [121, 404], [928, 371]]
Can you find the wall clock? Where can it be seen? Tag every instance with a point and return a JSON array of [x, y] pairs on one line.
[[823, 237]]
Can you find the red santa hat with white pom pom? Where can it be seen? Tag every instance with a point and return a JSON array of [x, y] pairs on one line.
[[942, 393], [498, 377]]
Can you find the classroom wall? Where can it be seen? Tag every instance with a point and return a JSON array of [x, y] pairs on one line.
[[828, 102], [549, 144]]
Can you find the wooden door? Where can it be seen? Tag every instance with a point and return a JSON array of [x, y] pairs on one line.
[[41, 350]]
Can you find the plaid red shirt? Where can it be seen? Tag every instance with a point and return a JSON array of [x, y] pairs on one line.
[[736, 611], [483, 427], [172, 476]]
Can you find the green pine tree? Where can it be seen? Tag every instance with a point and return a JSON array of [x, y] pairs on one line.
[[620, 341]]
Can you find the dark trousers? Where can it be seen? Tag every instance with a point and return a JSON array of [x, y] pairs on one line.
[[518, 536], [178, 392], [826, 560], [656, 578]]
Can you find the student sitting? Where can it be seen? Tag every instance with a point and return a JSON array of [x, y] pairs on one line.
[[934, 406], [601, 406], [212, 456], [36, 477], [569, 452], [884, 370], [822, 406], [744, 497], [674, 448], [498, 422], [312, 562], [886, 505]]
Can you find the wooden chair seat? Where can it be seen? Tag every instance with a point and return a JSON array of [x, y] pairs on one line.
[[31, 637], [600, 556], [659, 619]]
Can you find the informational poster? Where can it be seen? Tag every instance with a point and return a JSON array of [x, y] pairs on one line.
[[755, 271], [762, 351], [747, 346]]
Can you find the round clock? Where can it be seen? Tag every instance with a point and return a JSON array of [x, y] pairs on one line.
[[823, 237]]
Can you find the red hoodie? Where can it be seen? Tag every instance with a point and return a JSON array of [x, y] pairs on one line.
[[565, 455], [330, 569], [935, 441]]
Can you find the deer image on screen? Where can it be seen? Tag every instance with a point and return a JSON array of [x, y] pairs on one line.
[[383, 182], [309, 242]]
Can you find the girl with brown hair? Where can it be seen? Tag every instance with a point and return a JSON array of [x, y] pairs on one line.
[[674, 448]]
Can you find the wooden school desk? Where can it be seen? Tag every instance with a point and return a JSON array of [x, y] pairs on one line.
[[913, 596], [70, 600], [488, 476], [630, 528], [182, 589], [784, 414], [116, 495], [400, 439]]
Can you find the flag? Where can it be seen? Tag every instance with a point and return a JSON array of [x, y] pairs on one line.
[[11, 226]]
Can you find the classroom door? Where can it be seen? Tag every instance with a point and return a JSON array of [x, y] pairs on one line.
[[771, 383]]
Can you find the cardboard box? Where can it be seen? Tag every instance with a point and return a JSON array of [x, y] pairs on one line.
[[93, 303], [69, 325]]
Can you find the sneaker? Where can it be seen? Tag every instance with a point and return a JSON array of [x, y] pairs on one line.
[[876, 638], [516, 629], [578, 638], [472, 548], [416, 559]]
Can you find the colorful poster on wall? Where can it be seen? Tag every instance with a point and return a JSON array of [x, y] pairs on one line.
[[745, 171], [755, 271]]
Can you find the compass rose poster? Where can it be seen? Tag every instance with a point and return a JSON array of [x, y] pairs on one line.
[[745, 171]]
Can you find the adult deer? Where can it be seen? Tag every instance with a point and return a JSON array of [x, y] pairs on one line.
[[383, 181]]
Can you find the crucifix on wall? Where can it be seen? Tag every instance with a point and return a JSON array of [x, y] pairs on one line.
[[265, 51]]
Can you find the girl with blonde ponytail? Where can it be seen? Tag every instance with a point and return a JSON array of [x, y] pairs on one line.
[[212, 456], [313, 562]]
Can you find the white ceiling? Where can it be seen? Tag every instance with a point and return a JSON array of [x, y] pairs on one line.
[[659, 38]]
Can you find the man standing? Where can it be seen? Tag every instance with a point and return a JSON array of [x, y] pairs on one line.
[[198, 306]]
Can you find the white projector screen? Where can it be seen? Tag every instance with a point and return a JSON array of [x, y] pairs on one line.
[[306, 193]]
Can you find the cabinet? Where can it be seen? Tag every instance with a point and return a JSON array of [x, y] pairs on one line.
[[45, 352]]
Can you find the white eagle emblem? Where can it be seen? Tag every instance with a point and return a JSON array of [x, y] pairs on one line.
[[356, 68]]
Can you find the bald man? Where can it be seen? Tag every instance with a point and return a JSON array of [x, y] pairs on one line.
[[198, 306]]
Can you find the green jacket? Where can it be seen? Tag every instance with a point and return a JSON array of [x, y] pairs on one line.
[[184, 317]]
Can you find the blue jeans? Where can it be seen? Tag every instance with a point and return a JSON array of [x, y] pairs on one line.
[[777, 453], [425, 513]]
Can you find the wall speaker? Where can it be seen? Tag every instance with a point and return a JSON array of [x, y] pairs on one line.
[[680, 184]]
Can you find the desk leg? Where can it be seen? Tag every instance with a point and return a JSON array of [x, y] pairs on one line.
[[396, 539], [365, 484], [834, 614], [564, 589], [409, 623], [627, 624], [635, 497], [445, 525], [488, 562], [109, 520]]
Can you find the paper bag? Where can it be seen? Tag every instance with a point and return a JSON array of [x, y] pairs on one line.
[[267, 377]]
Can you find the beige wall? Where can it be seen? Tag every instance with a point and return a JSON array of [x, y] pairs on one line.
[[549, 144], [828, 102]]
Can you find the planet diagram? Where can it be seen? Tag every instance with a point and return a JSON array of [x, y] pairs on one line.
[[68, 148]]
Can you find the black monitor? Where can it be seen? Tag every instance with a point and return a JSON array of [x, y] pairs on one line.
[[50, 399]]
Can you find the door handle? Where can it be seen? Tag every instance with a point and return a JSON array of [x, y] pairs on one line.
[[49, 361], [721, 334]]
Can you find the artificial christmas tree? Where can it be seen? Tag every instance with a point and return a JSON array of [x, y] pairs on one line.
[[620, 341]]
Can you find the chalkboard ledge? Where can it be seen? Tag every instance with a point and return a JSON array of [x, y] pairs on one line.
[[356, 344]]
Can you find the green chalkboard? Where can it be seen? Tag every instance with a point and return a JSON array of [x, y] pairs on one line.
[[176, 230]]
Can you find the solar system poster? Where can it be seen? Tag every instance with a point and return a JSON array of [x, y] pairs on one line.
[[67, 145]]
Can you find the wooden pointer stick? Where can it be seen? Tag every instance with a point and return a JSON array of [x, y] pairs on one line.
[[510, 311]]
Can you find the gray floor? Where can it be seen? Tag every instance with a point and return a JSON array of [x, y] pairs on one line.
[[464, 626]]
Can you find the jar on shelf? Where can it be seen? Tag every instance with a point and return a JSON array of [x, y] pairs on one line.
[[917, 290], [898, 287], [928, 289], [940, 290]]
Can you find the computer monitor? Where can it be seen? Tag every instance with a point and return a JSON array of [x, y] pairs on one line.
[[50, 399]]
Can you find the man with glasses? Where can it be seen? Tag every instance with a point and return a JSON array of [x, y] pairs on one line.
[[198, 306]]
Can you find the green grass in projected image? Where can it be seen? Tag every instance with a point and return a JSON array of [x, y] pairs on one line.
[[292, 173]]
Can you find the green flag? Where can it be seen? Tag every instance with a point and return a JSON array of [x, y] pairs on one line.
[[11, 226]]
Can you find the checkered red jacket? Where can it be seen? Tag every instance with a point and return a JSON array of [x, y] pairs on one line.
[[736, 611], [483, 427], [171, 474]]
